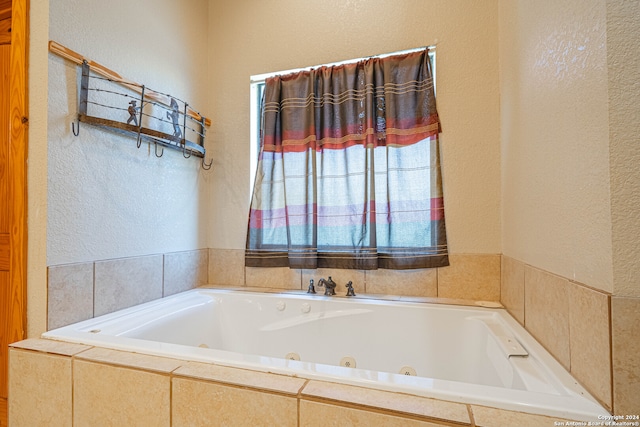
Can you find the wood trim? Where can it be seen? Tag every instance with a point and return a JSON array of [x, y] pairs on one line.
[[18, 110], [5, 55], [5, 251], [5, 315], [4, 422], [66, 53], [5, 9], [5, 31]]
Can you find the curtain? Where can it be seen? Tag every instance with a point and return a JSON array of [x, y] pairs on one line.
[[349, 170]]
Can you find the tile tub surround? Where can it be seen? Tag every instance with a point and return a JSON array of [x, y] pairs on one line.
[[572, 321], [546, 317], [82, 291], [126, 282], [625, 331], [470, 276], [184, 271], [70, 294], [98, 386]]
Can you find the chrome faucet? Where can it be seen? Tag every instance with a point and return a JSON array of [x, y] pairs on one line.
[[350, 292], [311, 289], [329, 286]]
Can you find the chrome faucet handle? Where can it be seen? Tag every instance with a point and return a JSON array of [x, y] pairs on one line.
[[312, 289], [350, 291]]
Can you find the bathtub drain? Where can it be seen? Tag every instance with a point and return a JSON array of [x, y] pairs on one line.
[[292, 356]]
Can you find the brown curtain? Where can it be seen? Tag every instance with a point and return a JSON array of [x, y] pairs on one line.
[[349, 170]]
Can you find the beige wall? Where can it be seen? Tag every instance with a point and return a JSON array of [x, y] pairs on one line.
[[526, 173], [556, 204], [570, 185], [248, 38], [37, 171], [158, 202], [107, 198], [623, 62]]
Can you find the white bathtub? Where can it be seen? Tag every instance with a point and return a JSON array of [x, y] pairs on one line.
[[465, 354]]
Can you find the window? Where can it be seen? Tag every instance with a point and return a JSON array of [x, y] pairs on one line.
[[348, 174], [257, 90]]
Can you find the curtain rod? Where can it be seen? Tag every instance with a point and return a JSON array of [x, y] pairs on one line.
[[262, 77]]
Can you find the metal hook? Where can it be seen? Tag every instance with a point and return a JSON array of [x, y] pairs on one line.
[[75, 131], [184, 150], [206, 166], [156, 150]]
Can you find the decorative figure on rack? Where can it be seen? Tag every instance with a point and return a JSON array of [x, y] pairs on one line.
[[174, 115], [133, 112]]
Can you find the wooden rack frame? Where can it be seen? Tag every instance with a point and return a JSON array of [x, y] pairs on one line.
[[175, 141]]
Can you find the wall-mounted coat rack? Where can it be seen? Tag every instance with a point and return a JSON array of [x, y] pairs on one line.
[[110, 101]]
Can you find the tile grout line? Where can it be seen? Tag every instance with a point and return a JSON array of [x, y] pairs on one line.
[[93, 313], [472, 420], [611, 370]]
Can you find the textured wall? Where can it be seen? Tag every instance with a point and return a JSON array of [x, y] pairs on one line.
[[106, 198], [555, 131], [248, 38], [623, 59], [37, 171]]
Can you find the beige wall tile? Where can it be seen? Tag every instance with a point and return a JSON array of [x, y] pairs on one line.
[[185, 270], [51, 346], [317, 414], [625, 331], [546, 299], [242, 377], [470, 276], [512, 287], [226, 267], [39, 389], [200, 403], [69, 294], [131, 360], [419, 283], [589, 334], [122, 283], [276, 277], [340, 276], [490, 417], [396, 402], [105, 395]]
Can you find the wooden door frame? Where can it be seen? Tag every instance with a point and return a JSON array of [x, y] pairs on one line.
[[14, 319], [17, 167]]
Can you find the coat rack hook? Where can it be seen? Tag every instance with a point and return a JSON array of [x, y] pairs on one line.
[[206, 166], [156, 149], [74, 129], [185, 151]]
